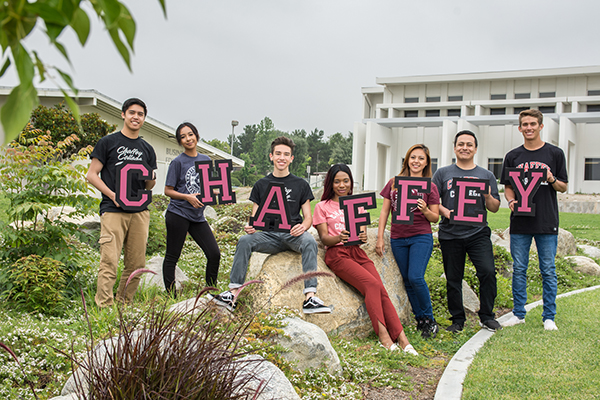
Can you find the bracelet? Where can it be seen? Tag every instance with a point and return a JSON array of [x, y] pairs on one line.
[[511, 200], [553, 182]]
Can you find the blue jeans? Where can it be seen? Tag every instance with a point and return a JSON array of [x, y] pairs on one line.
[[273, 243], [412, 255], [519, 249]]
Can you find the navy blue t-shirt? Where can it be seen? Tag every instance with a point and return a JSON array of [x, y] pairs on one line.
[[184, 178]]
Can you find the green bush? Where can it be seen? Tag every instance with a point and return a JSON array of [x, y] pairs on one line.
[[36, 284]]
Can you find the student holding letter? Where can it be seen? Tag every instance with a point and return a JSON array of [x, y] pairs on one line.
[[185, 212], [298, 196], [351, 263], [412, 244]]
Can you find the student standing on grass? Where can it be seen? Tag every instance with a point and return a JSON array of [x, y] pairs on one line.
[[535, 153], [351, 263], [299, 195], [185, 212], [456, 241], [412, 244], [120, 229]]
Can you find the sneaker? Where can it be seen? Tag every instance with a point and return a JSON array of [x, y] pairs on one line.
[[224, 299], [491, 325], [420, 325], [410, 350], [315, 305], [514, 320], [549, 325], [430, 329], [455, 328]]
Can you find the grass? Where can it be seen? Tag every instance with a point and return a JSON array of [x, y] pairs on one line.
[[526, 362]]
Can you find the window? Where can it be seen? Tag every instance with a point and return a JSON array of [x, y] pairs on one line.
[[498, 97], [593, 92], [455, 98], [495, 166], [454, 112], [411, 113], [433, 165], [592, 169], [517, 110], [411, 99], [544, 95], [497, 111], [433, 99], [547, 109], [522, 95], [593, 108], [432, 113]]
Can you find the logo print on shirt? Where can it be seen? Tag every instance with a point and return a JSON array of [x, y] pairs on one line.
[[192, 180]]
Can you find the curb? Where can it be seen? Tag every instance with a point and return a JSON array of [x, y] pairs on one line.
[[450, 385]]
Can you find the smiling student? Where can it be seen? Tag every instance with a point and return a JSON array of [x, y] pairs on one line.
[[352, 264], [185, 212], [412, 244]]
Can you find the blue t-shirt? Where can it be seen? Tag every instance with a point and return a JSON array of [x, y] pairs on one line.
[[184, 178]]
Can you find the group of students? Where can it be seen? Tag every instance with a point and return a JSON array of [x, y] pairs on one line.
[[411, 245]]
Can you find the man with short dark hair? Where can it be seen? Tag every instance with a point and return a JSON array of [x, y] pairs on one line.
[[535, 154], [121, 229], [456, 241], [298, 195]]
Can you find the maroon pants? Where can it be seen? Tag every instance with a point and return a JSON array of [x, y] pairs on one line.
[[351, 264]]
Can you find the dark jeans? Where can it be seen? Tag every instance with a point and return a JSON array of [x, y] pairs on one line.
[[480, 251], [177, 229]]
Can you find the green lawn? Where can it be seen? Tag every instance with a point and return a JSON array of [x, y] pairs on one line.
[[527, 362]]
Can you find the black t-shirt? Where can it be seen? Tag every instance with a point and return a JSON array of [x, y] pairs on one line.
[[297, 192], [111, 151], [550, 157]]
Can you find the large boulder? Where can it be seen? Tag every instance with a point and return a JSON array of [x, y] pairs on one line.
[[349, 315], [589, 251], [470, 299], [261, 373], [584, 265], [155, 265], [566, 242], [309, 346]]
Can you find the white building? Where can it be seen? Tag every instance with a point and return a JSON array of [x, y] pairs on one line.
[[431, 109], [159, 135]]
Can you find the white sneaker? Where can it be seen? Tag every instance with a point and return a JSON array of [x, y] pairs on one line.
[[410, 350], [549, 325], [514, 320]]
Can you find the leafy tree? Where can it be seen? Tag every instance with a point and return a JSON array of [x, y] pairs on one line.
[[60, 123], [244, 142], [301, 157], [262, 146], [341, 148], [247, 172], [219, 144], [318, 150], [18, 19]]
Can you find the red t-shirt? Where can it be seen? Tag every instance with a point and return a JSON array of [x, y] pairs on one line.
[[420, 224]]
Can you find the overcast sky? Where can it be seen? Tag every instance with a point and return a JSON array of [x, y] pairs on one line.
[[303, 62]]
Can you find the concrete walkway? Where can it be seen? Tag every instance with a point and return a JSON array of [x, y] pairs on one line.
[[450, 385]]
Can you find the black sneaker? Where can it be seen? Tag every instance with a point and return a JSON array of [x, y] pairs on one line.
[[315, 305], [455, 328], [420, 323], [430, 329], [224, 299], [491, 325]]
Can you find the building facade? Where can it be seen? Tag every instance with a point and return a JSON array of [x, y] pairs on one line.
[[430, 109]]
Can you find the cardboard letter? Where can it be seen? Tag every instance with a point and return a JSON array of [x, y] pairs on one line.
[[274, 213], [409, 192], [222, 181], [525, 184], [127, 172], [355, 219], [469, 206]]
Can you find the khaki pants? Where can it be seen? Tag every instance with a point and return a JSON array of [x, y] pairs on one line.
[[127, 232]]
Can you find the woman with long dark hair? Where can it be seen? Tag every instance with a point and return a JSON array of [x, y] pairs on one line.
[[412, 244], [185, 212], [351, 263]]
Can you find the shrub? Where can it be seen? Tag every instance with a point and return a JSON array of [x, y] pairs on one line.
[[157, 231], [35, 284]]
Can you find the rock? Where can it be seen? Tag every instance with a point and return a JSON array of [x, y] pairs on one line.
[[210, 213], [499, 240], [470, 299], [260, 372], [589, 251], [309, 345], [70, 396], [584, 265], [155, 264], [349, 316], [566, 242]]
